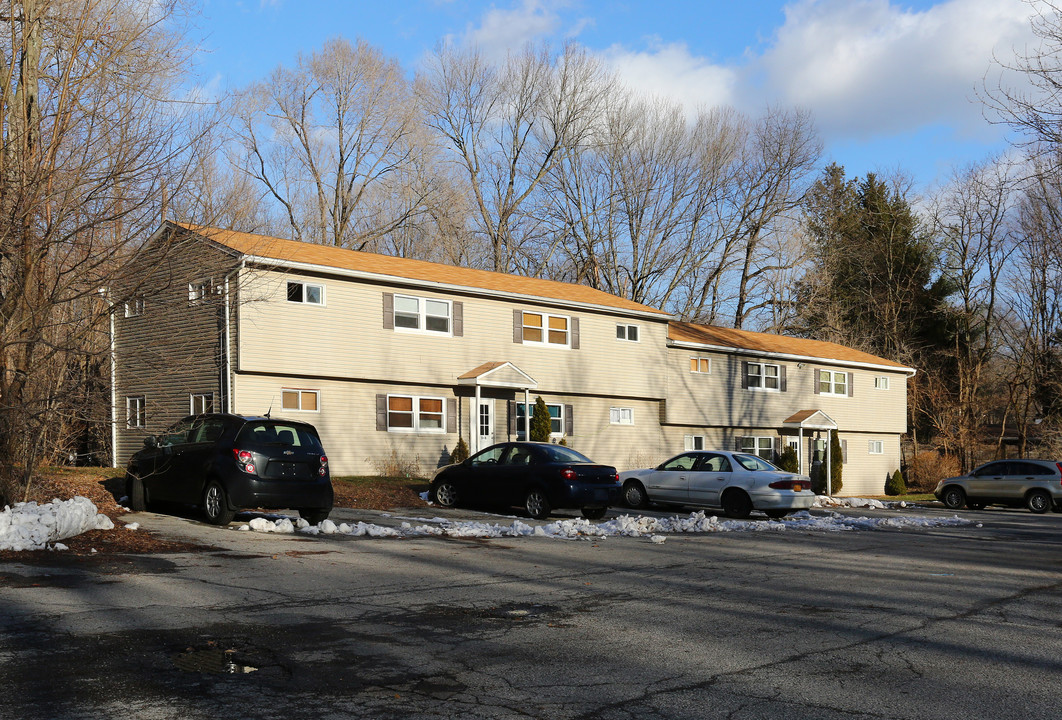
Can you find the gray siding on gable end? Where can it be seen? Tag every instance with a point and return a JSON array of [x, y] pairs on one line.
[[175, 348]]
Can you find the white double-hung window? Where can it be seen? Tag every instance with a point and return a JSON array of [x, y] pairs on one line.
[[412, 413], [621, 416], [763, 376], [424, 314], [833, 383]]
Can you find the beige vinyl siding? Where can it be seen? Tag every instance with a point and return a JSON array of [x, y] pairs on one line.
[[346, 338], [865, 474], [171, 350], [717, 398]]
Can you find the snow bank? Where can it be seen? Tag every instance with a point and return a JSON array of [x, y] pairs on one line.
[[29, 526], [655, 529]]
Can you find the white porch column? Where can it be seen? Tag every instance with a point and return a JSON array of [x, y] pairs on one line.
[[527, 414], [474, 435], [829, 480], [800, 452]]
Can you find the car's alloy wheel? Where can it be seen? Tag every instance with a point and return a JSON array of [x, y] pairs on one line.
[[215, 505], [1038, 501], [953, 498], [736, 504], [536, 504], [446, 494], [634, 495]]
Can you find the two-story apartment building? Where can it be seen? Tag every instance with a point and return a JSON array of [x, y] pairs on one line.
[[396, 359]]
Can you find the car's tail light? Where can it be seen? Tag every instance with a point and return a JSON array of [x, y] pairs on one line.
[[324, 466], [615, 477], [245, 460], [568, 474], [1059, 466], [791, 484]]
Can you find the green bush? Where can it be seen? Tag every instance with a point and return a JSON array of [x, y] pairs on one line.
[[540, 421], [788, 460], [836, 463], [460, 452], [894, 484]]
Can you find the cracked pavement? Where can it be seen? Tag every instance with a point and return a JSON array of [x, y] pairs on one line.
[[904, 624]]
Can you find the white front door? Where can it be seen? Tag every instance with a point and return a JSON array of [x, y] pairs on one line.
[[485, 423]]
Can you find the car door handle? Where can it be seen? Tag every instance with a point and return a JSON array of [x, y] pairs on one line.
[[720, 479]]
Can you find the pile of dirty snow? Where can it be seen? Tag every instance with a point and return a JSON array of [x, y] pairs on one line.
[[653, 528], [29, 526]]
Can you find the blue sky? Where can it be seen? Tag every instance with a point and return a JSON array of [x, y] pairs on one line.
[[892, 84]]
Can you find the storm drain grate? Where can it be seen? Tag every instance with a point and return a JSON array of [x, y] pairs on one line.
[[212, 660]]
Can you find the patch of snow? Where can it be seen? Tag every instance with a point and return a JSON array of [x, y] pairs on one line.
[[29, 526], [825, 501], [132, 526], [655, 529]]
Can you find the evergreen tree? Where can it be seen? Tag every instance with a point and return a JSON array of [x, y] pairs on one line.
[[540, 421], [836, 463]]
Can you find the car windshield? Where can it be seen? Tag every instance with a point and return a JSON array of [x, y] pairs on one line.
[[559, 453], [752, 462], [268, 432]]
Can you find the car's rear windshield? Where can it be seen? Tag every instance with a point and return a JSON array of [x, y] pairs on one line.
[[268, 432], [752, 462], [559, 453]]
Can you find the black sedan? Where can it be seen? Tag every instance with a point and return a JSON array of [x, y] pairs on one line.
[[536, 476], [229, 462]]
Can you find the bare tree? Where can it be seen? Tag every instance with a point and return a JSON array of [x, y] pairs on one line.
[[507, 128], [972, 219], [333, 141], [90, 145]]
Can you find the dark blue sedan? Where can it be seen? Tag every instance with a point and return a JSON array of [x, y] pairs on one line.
[[538, 477]]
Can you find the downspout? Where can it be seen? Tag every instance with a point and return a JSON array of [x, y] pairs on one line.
[[227, 337]]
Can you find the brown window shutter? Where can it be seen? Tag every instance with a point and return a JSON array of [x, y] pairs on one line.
[[459, 318], [451, 415], [381, 412], [818, 379], [518, 326], [575, 333], [738, 443], [744, 374], [851, 386], [569, 422], [512, 419], [783, 383], [844, 452], [388, 312]]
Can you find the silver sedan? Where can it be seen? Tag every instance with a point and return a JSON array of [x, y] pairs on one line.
[[736, 482]]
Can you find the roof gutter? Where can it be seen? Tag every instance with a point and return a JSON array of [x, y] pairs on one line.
[[659, 316], [689, 345]]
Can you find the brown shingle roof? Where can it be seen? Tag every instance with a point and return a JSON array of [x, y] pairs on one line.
[[405, 268], [767, 343]]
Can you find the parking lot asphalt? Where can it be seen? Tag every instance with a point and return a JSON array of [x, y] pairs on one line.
[[939, 622]]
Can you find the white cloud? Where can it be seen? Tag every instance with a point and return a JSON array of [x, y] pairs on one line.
[[502, 31], [868, 67], [672, 71]]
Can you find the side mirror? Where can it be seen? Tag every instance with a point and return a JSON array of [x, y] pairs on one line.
[[151, 441]]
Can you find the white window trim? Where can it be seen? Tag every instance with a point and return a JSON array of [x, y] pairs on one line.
[[304, 301], [138, 400], [619, 412], [134, 306], [881, 382], [544, 342], [833, 383], [698, 371], [529, 410], [689, 442], [417, 429], [879, 444], [627, 332], [200, 290], [756, 445], [300, 391], [422, 316], [763, 375], [191, 402]]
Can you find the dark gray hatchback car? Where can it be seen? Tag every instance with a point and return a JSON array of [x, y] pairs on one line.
[[229, 462], [1035, 484]]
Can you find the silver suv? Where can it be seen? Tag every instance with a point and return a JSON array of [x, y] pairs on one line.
[[1036, 484]]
